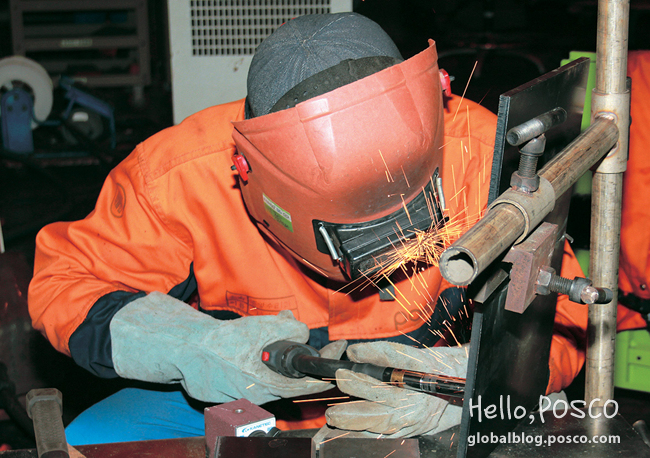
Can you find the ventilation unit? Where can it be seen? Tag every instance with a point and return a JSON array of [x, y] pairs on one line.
[[212, 43]]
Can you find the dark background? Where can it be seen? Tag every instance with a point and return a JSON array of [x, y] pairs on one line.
[[509, 40]]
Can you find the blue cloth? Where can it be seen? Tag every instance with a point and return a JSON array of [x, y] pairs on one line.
[[135, 414]]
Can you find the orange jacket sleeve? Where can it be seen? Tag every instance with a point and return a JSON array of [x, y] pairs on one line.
[[130, 242], [634, 271], [76, 263]]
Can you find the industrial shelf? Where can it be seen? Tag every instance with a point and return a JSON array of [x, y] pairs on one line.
[[98, 43]]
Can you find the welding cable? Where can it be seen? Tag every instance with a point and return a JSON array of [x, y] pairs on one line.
[[296, 360], [418, 381]]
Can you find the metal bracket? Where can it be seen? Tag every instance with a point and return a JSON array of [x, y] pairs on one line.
[[527, 258]]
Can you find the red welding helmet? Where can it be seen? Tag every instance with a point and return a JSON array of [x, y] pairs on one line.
[[327, 175]]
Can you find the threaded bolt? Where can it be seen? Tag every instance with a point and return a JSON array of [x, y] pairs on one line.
[[580, 290], [529, 154], [527, 166], [560, 285]]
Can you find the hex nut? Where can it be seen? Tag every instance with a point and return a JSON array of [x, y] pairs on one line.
[[524, 184], [578, 287], [544, 280]]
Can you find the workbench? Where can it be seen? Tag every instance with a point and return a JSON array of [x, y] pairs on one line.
[[442, 445]]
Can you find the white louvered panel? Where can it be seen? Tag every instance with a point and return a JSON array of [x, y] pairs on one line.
[[212, 43]]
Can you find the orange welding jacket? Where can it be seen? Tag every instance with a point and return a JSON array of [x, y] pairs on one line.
[[634, 273], [175, 203]]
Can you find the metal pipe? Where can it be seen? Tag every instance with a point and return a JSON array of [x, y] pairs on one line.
[[610, 98], [536, 126], [506, 222]]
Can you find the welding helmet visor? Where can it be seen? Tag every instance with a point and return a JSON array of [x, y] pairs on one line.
[[339, 178]]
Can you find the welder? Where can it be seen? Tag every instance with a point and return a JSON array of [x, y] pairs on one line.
[[191, 264]]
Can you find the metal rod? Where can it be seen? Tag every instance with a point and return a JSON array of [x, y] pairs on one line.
[[504, 224], [611, 46], [611, 96], [606, 198], [44, 407]]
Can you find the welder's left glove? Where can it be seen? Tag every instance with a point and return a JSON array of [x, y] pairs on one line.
[[392, 411]]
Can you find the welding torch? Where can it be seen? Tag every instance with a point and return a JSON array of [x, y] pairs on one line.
[[296, 360]]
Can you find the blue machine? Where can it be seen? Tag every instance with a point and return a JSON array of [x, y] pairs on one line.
[[77, 96], [17, 115], [17, 108]]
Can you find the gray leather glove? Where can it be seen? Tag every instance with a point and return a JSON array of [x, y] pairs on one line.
[[160, 339], [392, 411]]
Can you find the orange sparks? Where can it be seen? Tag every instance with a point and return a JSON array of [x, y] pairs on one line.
[[465, 90], [484, 162], [388, 174], [405, 178], [404, 407], [408, 356], [463, 148], [469, 134], [408, 215], [348, 402], [453, 177], [465, 206], [422, 247], [332, 438], [411, 337]]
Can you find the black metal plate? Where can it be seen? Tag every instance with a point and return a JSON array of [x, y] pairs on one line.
[[370, 448], [509, 351], [564, 87], [267, 447]]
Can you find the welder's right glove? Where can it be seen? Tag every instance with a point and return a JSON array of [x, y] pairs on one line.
[[160, 339], [390, 411]]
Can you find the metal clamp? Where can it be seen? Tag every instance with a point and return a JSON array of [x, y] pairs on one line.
[[533, 206]]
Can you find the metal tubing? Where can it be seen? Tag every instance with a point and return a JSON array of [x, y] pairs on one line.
[[505, 223], [533, 205], [611, 46], [611, 96], [606, 195], [580, 155], [465, 259]]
